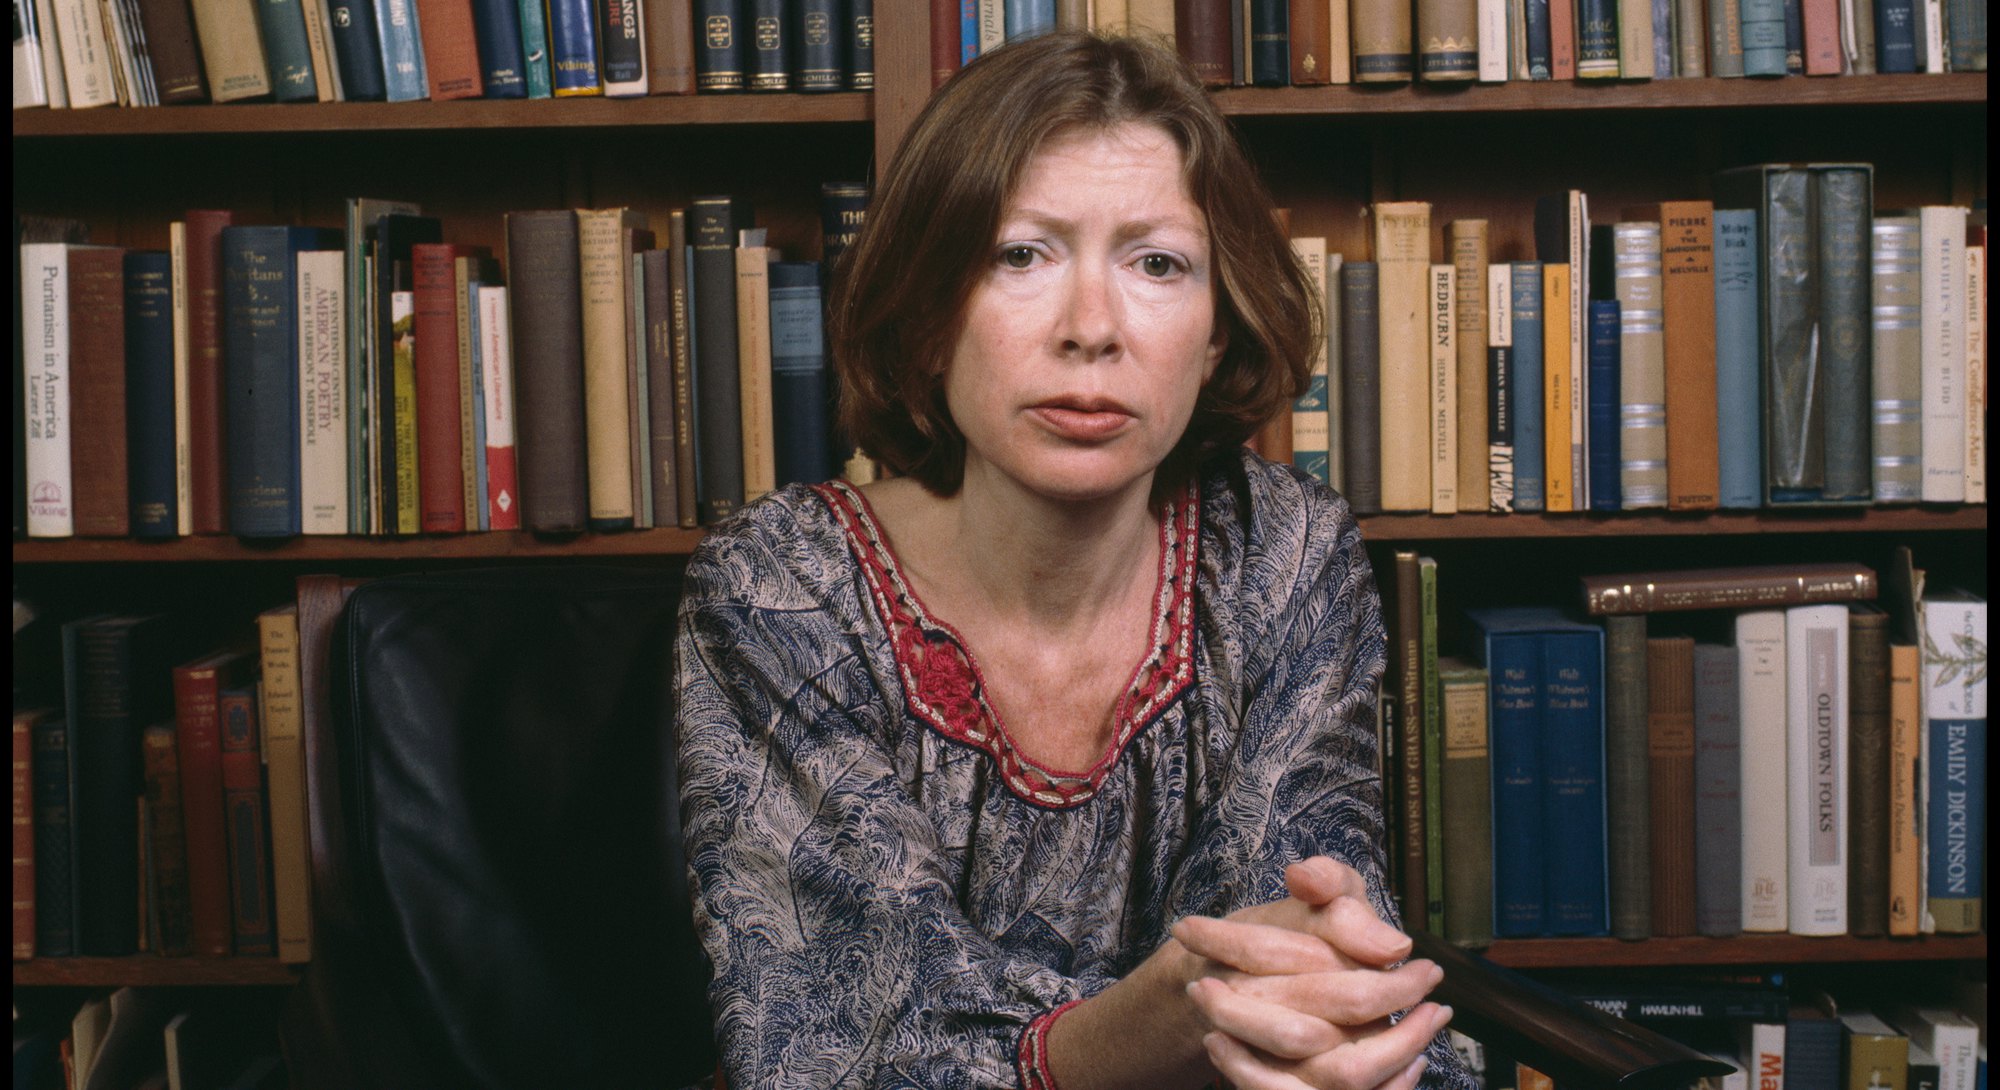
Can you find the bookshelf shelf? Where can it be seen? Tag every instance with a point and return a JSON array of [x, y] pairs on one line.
[[472, 114], [1895, 520], [1741, 950], [149, 971], [1967, 89]]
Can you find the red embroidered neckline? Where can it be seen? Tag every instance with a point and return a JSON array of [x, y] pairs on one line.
[[943, 687]]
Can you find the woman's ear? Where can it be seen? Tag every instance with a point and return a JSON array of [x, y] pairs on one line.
[[1218, 344]]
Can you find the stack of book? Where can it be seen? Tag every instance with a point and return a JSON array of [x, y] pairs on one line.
[[274, 381], [1275, 43], [79, 53], [1701, 753], [1783, 344]]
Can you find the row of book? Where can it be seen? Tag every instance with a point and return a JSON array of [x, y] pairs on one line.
[[160, 801], [1667, 767], [82, 53], [273, 381], [1275, 43], [1782, 344], [1780, 1036], [150, 1039]]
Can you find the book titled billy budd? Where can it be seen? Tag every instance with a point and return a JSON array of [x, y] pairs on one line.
[[1954, 760]]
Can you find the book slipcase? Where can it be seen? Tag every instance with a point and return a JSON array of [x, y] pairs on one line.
[[1328, 152]]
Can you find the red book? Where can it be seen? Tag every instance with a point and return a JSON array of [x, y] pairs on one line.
[[198, 687], [1311, 42], [1201, 31], [451, 51], [208, 464], [440, 431], [173, 932], [24, 832], [1562, 39], [945, 43], [97, 391], [246, 815], [1821, 19], [669, 47]]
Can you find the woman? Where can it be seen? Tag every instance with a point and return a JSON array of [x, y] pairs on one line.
[[1050, 761]]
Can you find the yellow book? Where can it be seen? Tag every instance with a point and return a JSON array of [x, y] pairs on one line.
[[1906, 731], [402, 320], [1558, 480], [607, 394], [465, 270], [753, 357], [1403, 261], [285, 780], [1443, 412], [1469, 258]]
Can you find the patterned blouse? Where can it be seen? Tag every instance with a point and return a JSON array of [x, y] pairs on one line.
[[892, 895]]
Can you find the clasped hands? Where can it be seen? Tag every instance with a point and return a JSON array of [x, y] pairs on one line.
[[1298, 992]]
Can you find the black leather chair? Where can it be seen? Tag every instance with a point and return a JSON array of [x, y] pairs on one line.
[[499, 889]]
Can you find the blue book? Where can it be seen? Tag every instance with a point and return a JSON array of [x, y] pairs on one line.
[[357, 48], [283, 25], [149, 394], [1895, 36], [496, 24], [1954, 772], [535, 49], [402, 51], [1605, 494], [1763, 37], [1027, 18], [799, 380], [573, 48], [1513, 661], [1529, 494], [1795, 38], [1573, 818], [1270, 43], [260, 366], [968, 31], [1663, 39], [55, 877], [1536, 19], [1738, 423]]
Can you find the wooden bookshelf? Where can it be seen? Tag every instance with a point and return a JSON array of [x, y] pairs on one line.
[[1635, 524], [147, 971], [1547, 96], [1742, 950]]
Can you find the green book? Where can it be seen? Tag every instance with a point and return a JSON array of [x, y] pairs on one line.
[[1466, 787]]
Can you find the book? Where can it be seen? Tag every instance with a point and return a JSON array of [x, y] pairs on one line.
[[1687, 298], [1537, 46], [801, 383], [440, 429], [713, 226], [25, 894], [319, 46], [1442, 414], [1606, 353], [680, 274], [45, 399], [246, 822], [1975, 370], [1201, 31], [1793, 393], [1597, 39], [1906, 730], [1762, 1046], [1738, 378], [31, 77], [1895, 36], [1857, 33], [1405, 679], [1310, 41], [1514, 667], [285, 760], [1896, 355], [1447, 40], [1812, 1043], [1526, 397], [753, 345], [357, 49], [1559, 472], [535, 68], [1433, 745], [1820, 25], [394, 386], [1360, 359], [1500, 410], [403, 68], [87, 61], [1953, 788], [1843, 203], [1946, 1035], [860, 45], [1562, 40], [546, 327], [574, 53], [1671, 778], [1943, 351], [662, 474], [1725, 39], [451, 52], [1816, 701], [720, 60], [501, 497], [167, 893], [1311, 424], [1467, 240], [622, 43], [1402, 257], [55, 843], [816, 60], [101, 499], [1628, 776], [167, 28], [363, 342], [1642, 376], [1382, 41], [197, 688], [1636, 40], [323, 396], [283, 27], [1466, 791], [153, 428], [502, 64], [1676, 1007], [1868, 771], [1762, 696], [1718, 793], [1923, 1073], [1728, 588]]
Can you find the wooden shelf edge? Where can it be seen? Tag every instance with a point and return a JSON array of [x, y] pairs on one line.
[[517, 114], [1823, 520], [1963, 88], [146, 970], [501, 545], [1597, 953]]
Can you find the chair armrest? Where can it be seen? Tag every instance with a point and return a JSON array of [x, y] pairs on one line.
[[1577, 1045]]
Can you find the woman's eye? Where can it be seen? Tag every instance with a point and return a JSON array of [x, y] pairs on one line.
[[1018, 257], [1157, 265]]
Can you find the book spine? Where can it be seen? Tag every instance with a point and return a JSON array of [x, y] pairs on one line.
[[1761, 710], [535, 49], [177, 248], [1724, 588], [1597, 39], [1718, 794], [1492, 40], [101, 496], [1201, 30], [1688, 34], [1687, 296], [1514, 665], [606, 395], [168, 866], [679, 274], [149, 394], [45, 398], [284, 752], [24, 837], [259, 359], [1795, 37], [357, 47], [497, 24], [1857, 27], [1843, 200], [661, 470], [1725, 38], [1906, 728], [1270, 51], [1402, 254], [1895, 36], [1328, 345], [1573, 781], [1876, 1055], [752, 263], [1816, 777], [284, 31], [1500, 410], [622, 44], [1310, 420], [403, 58], [861, 45], [720, 59], [1931, 18], [1628, 777], [467, 271], [246, 821], [1560, 482], [171, 48], [817, 47], [1794, 397], [547, 331], [451, 53], [503, 488], [1526, 399], [1562, 39], [198, 736], [55, 877], [1381, 43], [1738, 424], [1606, 352], [1467, 792], [1442, 411], [440, 476], [1820, 22], [1635, 39], [1941, 278], [1763, 37], [1310, 42], [319, 47], [1469, 258], [1407, 675], [1539, 47], [1868, 773], [573, 48], [1447, 39], [1360, 357], [800, 380], [88, 61], [31, 75], [109, 776], [1642, 375], [1433, 746], [1671, 747], [1954, 762], [322, 393], [1975, 372], [717, 383]]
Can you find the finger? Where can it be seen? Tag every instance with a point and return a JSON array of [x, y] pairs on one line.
[[1369, 1061], [1244, 1068], [1352, 927], [1345, 998], [1408, 1078], [1277, 1029], [1321, 878], [1255, 948]]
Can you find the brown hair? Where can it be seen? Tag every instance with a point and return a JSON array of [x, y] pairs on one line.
[[902, 288]]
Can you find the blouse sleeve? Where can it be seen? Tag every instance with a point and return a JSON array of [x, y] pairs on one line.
[[841, 956]]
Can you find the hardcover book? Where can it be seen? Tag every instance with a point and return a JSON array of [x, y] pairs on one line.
[[547, 332], [1738, 425], [1604, 381], [97, 424], [46, 399], [451, 52], [1816, 700], [403, 67], [1500, 409], [1718, 793], [1466, 790], [1671, 746], [1467, 241], [1943, 352], [1310, 421], [1954, 760], [197, 688], [1728, 588], [150, 395], [1868, 771], [396, 236], [1402, 256], [713, 227], [1360, 358], [357, 48], [246, 821], [1762, 712], [1526, 397], [1688, 317], [1628, 777], [1382, 42]]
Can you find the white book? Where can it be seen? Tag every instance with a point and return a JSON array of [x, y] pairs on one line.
[[1340, 64], [1761, 694], [1975, 374], [1816, 779], [1443, 337], [636, 86], [319, 44], [322, 333], [1500, 334], [183, 464], [1945, 1034], [1493, 41], [86, 54], [31, 84], [497, 379], [52, 65], [1642, 366], [1762, 1047], [1310, 427], [1336, 463], [1934, 56], [45, 387], [1943, 354], [993, 25]]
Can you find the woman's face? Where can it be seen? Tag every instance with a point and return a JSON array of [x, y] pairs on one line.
[[1092, 329]]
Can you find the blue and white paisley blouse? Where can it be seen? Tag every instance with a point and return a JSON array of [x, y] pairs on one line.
[[892, 895]]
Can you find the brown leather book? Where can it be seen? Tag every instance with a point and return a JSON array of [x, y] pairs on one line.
[[1312, 43], [945, 41], [1201, 30], [198, 739], [208, 467], [1867, 771], [171, 48], [1687, 269], [669, 47], [24, 831], [440, 439], [1821, 19], [662, 463], [1562, 39], [451, 52], [102, 502], [168, 856], [1405, 686], [1670, 744], [247, 819], [1727, 588], [547, 318]]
